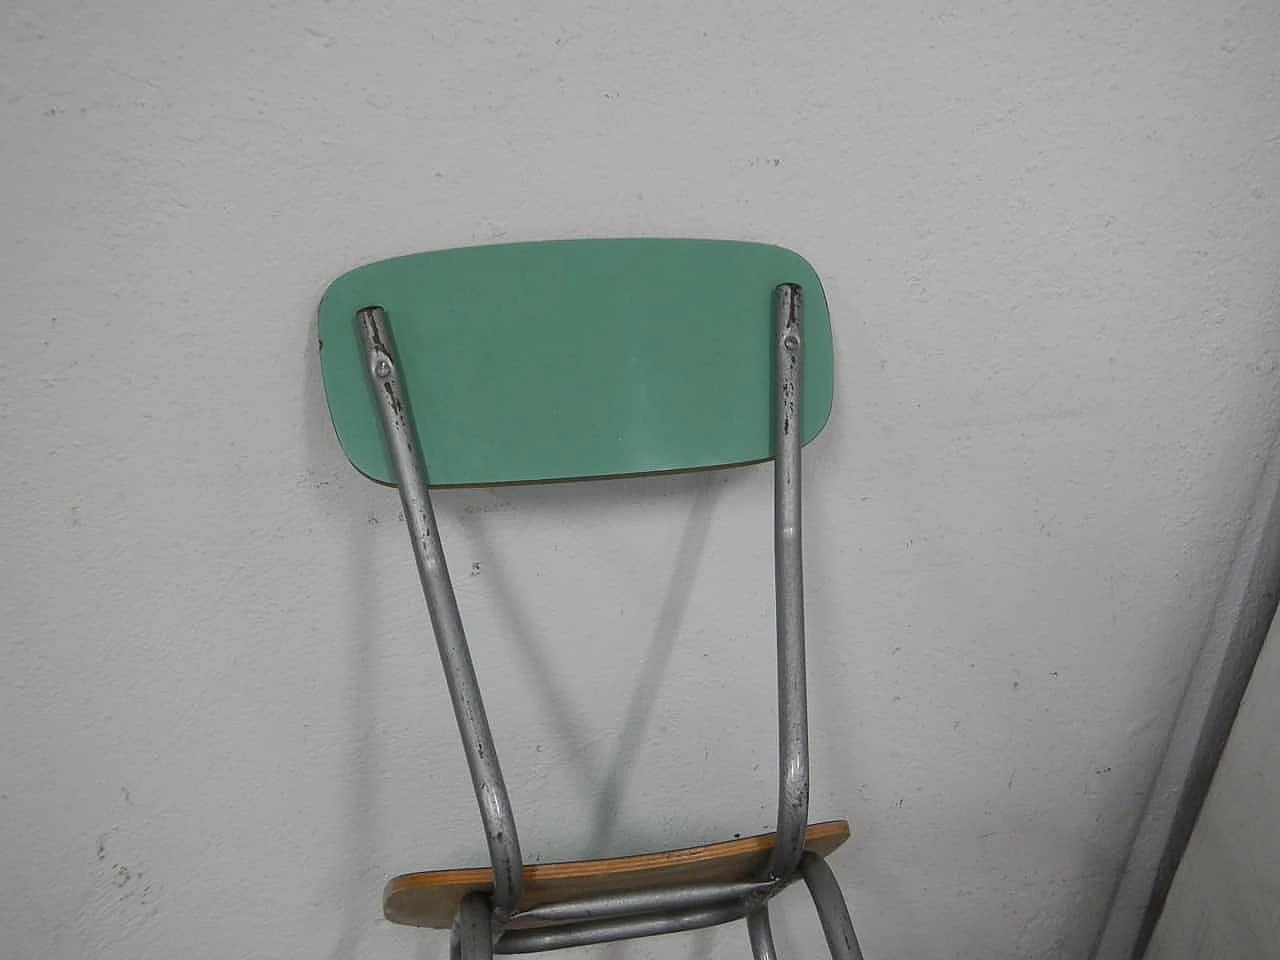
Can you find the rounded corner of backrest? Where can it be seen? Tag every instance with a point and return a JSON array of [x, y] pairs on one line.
[[345, 391], [795, 255], [792, 252]]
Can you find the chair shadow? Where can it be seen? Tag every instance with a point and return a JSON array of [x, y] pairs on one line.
[[568, 724], [639, 713], [704, 490]]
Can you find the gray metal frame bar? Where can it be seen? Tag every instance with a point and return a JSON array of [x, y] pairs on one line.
[[833, 912], [673, 917], [472, 935], [446, 620], [760, 934], [788, 577], [636, 902], [537, 939]]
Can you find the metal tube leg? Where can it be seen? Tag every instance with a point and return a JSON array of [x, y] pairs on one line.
[[472, 937], [761, 934], [788, 437], [446, 621], [833, 913]]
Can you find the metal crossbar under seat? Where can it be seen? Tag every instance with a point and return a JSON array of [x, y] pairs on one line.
[[511, 908]]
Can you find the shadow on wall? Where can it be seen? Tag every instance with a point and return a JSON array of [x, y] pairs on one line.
[[702, 490]]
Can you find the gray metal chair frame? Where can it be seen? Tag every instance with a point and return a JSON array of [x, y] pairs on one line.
[[479, 929]]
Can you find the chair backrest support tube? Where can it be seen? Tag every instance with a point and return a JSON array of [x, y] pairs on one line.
[[442, 605], [793, 733]]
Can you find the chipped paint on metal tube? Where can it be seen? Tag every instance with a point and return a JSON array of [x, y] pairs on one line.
[[793, 734], [446, 620]]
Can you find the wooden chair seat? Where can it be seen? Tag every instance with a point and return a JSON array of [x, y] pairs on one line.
[[431, 899]]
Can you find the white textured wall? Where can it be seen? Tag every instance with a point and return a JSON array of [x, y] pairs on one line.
[[1051, 240], [1225, 899]]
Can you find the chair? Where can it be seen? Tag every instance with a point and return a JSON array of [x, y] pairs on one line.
[[580, 360]]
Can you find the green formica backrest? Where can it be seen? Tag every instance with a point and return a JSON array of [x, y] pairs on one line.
[[575, 358]]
